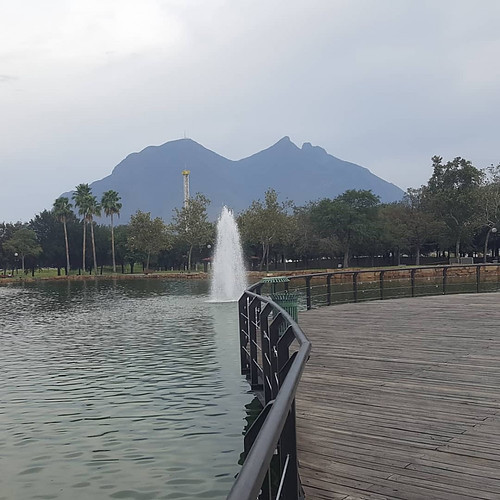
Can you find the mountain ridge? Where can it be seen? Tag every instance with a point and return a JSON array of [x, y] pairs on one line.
[[150, 180]]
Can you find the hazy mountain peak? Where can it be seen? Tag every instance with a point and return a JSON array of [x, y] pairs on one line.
[[284, 139], [308, 147], [184, 141], [284, 143]]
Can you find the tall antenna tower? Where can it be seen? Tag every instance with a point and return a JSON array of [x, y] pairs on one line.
[[186, 173]]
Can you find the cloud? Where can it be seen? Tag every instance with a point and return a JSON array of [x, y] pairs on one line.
[[7, 78], [70, 33], [384, 84]]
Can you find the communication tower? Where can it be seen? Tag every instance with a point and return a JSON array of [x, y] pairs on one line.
[[186, 173]]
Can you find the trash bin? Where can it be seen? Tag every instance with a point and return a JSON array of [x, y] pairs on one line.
[[289, 301], [273, 280]]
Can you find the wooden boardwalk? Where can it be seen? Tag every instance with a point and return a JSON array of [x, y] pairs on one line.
[[401, 399]]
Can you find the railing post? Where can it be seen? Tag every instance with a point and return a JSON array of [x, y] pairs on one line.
[[308, 292], [413, 282], [288, 458], [274, 336], [244, 336], [329, 289], [267, 355], [253, 311], [381, 279], [355, 286], [248, 442], [445, 279], [282, 349], [478, 278]]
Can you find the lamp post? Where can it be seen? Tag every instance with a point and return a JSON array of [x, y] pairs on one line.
[[207, 260], [15, 261], [494, 230]]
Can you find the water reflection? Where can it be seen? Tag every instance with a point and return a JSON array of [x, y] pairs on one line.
[[118, 389]]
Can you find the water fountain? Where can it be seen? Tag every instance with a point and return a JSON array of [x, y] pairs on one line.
[[228, 270]]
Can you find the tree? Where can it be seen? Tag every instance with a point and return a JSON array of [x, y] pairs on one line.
[[191, 224], [24, 243], [422, 225], [62, 210], [82, 198], [94, 208], [7, 230], [50, 235], [394, 229], [111, 205], [102, 237], [121, 248], [489, 202], [305, 239], [453, 194], [348, 218], [146, 235], [265, 223], [88, 206]]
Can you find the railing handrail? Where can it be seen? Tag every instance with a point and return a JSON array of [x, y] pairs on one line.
[[299, 334], [258, 460], [410, 273], [387, 269]]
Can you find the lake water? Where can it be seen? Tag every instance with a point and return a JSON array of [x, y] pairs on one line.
[[118, 389]]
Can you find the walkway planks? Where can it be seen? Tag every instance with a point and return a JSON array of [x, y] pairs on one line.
[[401, 399]]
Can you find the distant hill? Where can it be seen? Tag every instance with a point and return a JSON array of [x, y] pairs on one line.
[[151, 180]]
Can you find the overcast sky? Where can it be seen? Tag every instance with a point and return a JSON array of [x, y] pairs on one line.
[[385, 84]]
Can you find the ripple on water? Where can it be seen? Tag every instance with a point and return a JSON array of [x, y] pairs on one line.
[[118, 390]]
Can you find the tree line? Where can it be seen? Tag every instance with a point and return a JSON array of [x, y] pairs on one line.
[[69, 238], [456, 213]]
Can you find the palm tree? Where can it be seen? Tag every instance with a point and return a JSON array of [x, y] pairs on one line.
[[62, 210], [82, 196], [110, 202], [93, 209]]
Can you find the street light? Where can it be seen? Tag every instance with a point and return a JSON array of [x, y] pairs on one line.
[[207, 260], [494, 230], [15, 260]]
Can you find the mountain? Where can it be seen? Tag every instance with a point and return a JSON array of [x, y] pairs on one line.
[[151, 180]]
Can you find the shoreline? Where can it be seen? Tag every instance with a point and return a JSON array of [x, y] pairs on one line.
[[170, 276], [101, 277]]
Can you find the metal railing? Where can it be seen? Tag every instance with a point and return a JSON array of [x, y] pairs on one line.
[[328, 288], [267, 334], [267, 337]]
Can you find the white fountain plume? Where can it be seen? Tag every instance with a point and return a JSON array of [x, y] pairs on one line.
[[228, 270]]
